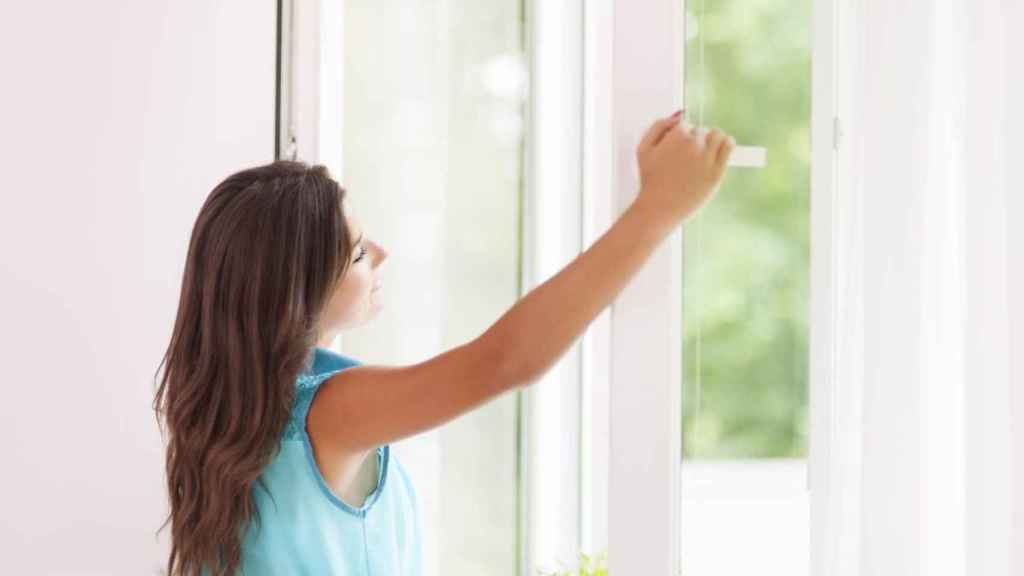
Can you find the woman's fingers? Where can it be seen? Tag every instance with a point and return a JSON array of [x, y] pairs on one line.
[[722, 156], [712, 144], [658, 130]]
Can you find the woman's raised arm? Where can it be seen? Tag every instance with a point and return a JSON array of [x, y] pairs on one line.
[[368, 406]]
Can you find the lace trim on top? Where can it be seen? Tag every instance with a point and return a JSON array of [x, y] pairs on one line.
[[305, 388], [321, 365]]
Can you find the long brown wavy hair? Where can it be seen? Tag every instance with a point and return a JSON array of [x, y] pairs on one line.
[[267, 250]]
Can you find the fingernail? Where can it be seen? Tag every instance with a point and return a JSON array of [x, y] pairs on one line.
[[678, 112]]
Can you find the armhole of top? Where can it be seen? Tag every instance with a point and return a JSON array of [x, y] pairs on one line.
[[382, 452]]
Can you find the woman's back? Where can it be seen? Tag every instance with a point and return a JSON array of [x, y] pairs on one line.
[[304, 528]]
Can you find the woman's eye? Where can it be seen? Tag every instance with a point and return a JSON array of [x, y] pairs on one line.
[[362, 253]]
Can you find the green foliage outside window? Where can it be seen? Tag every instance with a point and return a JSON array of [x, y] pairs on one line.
[[596, 565], [747, 281]]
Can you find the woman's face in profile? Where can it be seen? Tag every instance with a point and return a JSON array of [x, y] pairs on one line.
[[356, 300]]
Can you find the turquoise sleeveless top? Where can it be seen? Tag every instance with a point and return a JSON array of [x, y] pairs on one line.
[[305, 529]]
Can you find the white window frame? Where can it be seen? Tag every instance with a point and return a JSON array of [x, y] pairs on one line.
[[598, 216], [552, 238], [826, 140], [312, 72], [611, 486], [647, 54], [609, 414], [645, 419]]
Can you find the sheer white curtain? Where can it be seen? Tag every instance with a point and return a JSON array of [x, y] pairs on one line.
[[926, 446]]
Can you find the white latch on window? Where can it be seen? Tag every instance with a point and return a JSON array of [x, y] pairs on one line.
[[742, 156], [749, 157]]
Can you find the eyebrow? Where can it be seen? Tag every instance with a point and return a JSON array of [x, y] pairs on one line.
[[358, 240]]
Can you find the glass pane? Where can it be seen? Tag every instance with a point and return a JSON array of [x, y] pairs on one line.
[[746, 296], [433, 125], [748, 251]]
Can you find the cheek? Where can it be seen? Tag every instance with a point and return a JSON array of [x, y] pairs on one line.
[[354, 298], [362, 282], [355, 289]]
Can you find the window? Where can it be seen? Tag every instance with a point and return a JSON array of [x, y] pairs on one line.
[[745, 312], [485, 146], [418, 110], [747, 251]]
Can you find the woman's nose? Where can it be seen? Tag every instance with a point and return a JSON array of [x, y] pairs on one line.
[[380, 254]]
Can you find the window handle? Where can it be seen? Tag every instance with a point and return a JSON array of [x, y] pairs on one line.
[[749, 157]]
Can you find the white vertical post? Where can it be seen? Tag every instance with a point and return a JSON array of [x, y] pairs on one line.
[[552, 208], [312, 82], [285, 147], [303, 82], [331, 85], [825, 139], [598, 214], [646, 382]]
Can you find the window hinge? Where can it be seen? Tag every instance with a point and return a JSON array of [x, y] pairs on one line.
[[291, 152]]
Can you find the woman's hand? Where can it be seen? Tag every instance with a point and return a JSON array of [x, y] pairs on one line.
[[679, 169]]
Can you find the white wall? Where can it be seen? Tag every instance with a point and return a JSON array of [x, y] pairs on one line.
[[118, 118]]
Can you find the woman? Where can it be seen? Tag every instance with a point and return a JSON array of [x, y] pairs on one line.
[[278, 458]]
